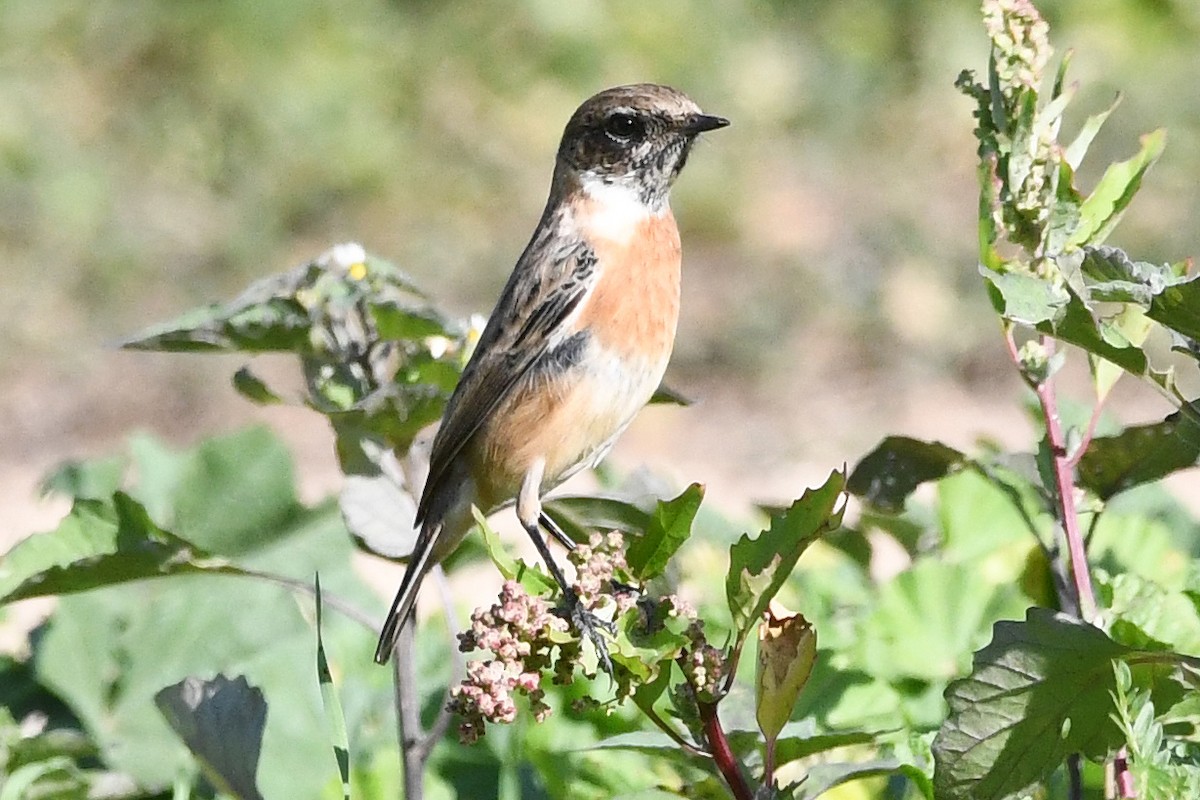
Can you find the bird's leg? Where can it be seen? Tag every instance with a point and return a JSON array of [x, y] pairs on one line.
[[553, 528], [529, 510]]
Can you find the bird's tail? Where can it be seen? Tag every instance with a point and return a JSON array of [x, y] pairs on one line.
[[406, 595]]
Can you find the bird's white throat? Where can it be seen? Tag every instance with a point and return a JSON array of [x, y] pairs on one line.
[[617, 210]]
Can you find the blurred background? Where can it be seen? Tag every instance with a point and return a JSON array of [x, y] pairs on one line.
[[156, 156]]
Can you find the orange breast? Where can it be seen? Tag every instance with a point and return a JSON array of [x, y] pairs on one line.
[[571, 419], [634, 308]]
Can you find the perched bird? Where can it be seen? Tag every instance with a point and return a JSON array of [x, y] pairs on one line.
[[579, 339]]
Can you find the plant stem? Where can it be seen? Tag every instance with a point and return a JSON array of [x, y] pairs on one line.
[[722, 754], [408, 712], [1064, 479], [1122, 776], [442, 723], [769, 763]]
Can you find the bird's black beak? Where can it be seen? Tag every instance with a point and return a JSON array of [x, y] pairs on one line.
[[699, 123]]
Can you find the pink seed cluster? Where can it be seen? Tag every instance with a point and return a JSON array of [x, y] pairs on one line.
[[517, 630], [596, 564]]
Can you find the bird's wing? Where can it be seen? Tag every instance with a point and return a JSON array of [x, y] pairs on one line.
[[550, 280]]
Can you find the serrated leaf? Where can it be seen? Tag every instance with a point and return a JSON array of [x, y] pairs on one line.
[[670, 526], [100, 543], [1178, 308], [1141, 454], [758, 567], [1076, 325], [1102, 209], [887, 475], [1038, 692], [221, 721], [1166, 293]]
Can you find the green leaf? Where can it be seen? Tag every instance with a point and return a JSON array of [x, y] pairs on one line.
[[108, 651], [1026, 298], [1147, 616], [532, 578], [91, 480], [758, 567], [928, 618], [1141, 454], [1076, 325], [251, 473], [648, 649], [221, 721], [578, 515], [1038, 692], [1102, 209], [799, 739], [99, 544], [887, 475], [665, 395], [1178, 308], [253, 388], [278, 324], [1166, 293], [1077, 149], [820, 778], [335, 720], [669, 528], [395, 322]]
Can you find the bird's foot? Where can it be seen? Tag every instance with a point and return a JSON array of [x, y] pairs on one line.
[[589, 627]]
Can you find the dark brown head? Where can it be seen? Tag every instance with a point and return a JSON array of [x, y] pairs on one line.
[[635, 137]]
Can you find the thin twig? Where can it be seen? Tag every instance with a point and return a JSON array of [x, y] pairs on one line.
[[408, 710], [339, 604], [437, 731], [675, 736], [1081, 448]]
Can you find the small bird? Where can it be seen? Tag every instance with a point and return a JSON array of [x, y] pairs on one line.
[[578, 341]]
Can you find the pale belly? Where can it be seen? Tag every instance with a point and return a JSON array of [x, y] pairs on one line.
[[570, 420]]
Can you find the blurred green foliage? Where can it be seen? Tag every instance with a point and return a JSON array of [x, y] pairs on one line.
[[169, 151]]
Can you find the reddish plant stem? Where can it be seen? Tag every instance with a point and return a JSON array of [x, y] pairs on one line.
[[721, 752], [1064, 479], [1122, 775], [769, 764]]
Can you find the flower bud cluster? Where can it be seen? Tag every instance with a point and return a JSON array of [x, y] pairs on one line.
[[703, 665], [1021, 43]]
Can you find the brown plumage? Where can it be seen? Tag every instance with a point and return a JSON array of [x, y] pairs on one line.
[[581, 335]]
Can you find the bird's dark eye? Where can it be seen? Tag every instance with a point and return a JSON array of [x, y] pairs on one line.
[[625, 127]]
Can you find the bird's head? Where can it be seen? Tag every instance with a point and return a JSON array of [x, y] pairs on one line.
[[634, 137]]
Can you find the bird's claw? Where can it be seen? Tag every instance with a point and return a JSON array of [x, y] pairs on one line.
[[589, 626]]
